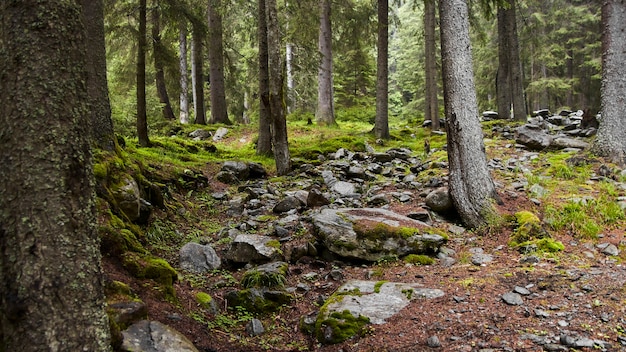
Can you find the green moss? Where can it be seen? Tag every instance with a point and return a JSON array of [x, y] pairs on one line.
[[156, 269], [255, 278], [273, 244], [544, 245], [205, 300], [419, 259], [260, 301], [528, 228], [408, 293], [341, 325], [378, 285]]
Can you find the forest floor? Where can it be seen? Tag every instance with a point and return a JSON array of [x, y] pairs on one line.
[[570, 299]]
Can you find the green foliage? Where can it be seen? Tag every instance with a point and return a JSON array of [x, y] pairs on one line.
[[419, 259], [343, 325], [378, 285], [256, 278], [204, 300]]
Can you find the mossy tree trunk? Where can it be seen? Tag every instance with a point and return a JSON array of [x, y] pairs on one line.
[[142, 118], [471, 187], [100, 106], [51, 282], [381, 125], [611, 139], [264, 143]]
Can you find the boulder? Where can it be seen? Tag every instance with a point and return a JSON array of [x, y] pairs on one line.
[[440, 201], [128, 198], [237, 168], [200, 134], [371, 234], [198, 258], [566, 142], [287, 204], [533, 137], [220, 134], [152, 336], [247, 248]]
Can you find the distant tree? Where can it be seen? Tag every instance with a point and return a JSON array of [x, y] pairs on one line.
[[219, 111], [184, 74], [432, 102], [381, 126], [276, 91], [100, 107], [197, 75], [142, 118], [159, 53], [264, 142], [611, 139], [509, 85], [471, 187], [325, 113], [51, 282]]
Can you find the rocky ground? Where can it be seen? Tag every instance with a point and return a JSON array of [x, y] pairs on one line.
[[495, 297]]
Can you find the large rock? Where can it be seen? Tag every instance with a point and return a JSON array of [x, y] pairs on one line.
[[566, 142], [357, 303], [237, 168], [152, 336], [533, 137], [372, 234], [198, 258], [440, 201], [128, 198], [247, 248]]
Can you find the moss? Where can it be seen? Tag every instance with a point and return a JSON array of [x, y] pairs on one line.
[[116, 242], [148, 267], [260, 301], [273, 244], [528, 228], [205, 300], [408, 293], [255, 278], [340, 326], [378, 285], [419, 259], [544, 245]]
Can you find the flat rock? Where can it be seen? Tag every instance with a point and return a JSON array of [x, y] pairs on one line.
[[152, 336], [247, 248], [512, 299], [198, 258]]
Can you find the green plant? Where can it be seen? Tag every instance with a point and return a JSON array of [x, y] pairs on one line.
[[419, 259]]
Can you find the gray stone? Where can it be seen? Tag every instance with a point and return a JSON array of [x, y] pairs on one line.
[[152, 336], [512, 299], [128, 198], [247, 248], [456, 230], [479, 259], [255, 327], [566, 142], [126, 313], [521, 290], [220, 134], [237, 168], [533, 137], [316, 198], [344, 188], [433, 341], [287, 204], [379, 199], [198, 258], [200, 134], [611, 250], [439, 200]]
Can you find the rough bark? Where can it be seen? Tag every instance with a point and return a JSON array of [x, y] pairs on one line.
[[518, 97], [471, 186], [158, 53], [219, 111], [102, 133], [142, 118], [325, 113], [611, 139], [503, 76], [276, 91], [184, 74], [264, 142], [432, 103], [51, 283], [197, 80], [290, 78], [381, 126]]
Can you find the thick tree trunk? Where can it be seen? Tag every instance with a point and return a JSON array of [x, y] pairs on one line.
[[100, 107], [51, 282], [432, 103], [166, 106], [197, 79], [219, 111], [325, 113], [503, 76], [611, 139], [264, 143], [276, 91], [471, 187], [381, 126], [184, 74], [142, 118], [518, 97]]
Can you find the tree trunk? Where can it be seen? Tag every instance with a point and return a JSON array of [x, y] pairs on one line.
[[142, 118], [503, 76], [219, 111], [100, 107], [471, 187], [264, 143], [325, 114], [197, 79], [518, 97], [276, 91], [432, 103], [51, 282], [291, 101], [184, 74], [158, 49], [611, 139], [381, 126]]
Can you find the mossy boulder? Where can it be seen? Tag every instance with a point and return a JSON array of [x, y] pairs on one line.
[[529, 235], [271, 275], [261, 301], [372, 234], [206, 302], [148, 267]]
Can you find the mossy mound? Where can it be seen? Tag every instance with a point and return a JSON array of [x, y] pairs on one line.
[[156, 269], [270, 275], [260, 301], [530, 234], [419, 259], [340, 326]]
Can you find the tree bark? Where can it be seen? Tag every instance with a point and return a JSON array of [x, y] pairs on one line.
[[142, 118], [381, 126], [219, 111], [158, 52], [503, 76], [471, 187], [611, 139], [184, 74], [264, 143], [276, 91], [100, 107], [325, 113], [197, 76], [51, 282], [432, 102], [518, 97]]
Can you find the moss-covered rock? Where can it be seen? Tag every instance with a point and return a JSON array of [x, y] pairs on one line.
[[261, 301], [530, 235], [419, 259], [206, 302], [269, 275], [340, 326], [148, 267]]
